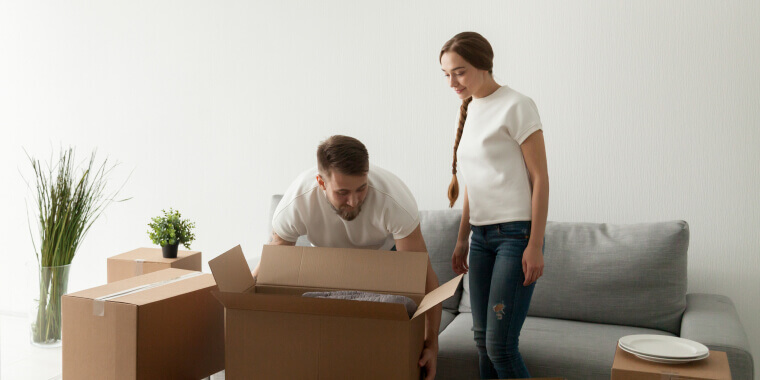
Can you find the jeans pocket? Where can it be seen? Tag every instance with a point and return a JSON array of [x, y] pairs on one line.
[[514, 230]]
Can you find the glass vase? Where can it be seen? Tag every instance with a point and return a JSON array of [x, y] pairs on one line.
[[45, 315]]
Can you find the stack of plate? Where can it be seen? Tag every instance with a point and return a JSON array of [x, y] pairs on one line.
[[663, 349]]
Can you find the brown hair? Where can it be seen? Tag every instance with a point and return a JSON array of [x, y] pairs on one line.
[[344, 154], [476, 50]]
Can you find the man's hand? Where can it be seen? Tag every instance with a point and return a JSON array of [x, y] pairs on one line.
[[276, 240], [429, 359]]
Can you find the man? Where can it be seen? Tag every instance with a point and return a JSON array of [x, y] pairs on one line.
[[347, 203]]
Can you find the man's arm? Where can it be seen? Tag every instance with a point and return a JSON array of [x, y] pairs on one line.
[[429, 358], [276, 240]]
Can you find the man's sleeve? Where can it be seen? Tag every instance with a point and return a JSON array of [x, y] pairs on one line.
[[403, 217], [287, 223]]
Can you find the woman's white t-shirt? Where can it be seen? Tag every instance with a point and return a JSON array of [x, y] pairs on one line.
[[490, 160], [388, 213]]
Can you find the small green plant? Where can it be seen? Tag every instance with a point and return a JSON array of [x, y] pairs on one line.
[[170, 229]]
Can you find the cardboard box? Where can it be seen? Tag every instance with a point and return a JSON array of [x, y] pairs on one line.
[[147, 260], [628, 367], [161, 325], [272, 332]]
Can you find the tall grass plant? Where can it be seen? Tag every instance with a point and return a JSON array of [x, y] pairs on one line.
[[68, 199]]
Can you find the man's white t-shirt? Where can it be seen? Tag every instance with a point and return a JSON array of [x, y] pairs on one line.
[[490, 160], [389, 212]]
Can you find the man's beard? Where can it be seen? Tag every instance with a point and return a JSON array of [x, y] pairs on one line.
[[348, 215]]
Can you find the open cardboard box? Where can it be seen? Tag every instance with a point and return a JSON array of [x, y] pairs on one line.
[[147, 260], [272, 332], [161, 325]]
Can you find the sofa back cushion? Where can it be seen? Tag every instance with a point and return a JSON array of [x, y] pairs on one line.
[[632, 275], [439, 229]]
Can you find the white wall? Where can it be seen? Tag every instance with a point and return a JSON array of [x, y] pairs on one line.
[[650, 112]]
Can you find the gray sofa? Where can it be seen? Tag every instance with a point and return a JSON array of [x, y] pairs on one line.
[[601, 282]]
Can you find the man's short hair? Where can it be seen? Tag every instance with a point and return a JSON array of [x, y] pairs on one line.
[[344, 154]]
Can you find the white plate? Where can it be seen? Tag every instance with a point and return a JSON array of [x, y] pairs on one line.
[[663, 347], [663, 360]]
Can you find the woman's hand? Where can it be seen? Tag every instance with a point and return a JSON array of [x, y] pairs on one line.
[[533, 264], [459, 257]]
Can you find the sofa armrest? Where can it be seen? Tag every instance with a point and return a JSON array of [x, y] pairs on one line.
[[712, 320]]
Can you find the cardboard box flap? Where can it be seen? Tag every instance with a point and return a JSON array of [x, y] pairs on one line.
[[343, 268], [130, 283], [438, 295], [316, 306], [231, 271], [151, 255]]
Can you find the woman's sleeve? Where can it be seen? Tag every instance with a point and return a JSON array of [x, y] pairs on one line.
[[523, 120]]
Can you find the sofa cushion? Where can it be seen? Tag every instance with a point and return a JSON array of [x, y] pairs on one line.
[[550, 347], [464, 302], [572, 349], [446, 318], [457, 354], [440, 229], [631, 275]]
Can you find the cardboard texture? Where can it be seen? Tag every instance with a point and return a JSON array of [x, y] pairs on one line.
[[147, 260], [627, 366], [274, 333], [161, 325]]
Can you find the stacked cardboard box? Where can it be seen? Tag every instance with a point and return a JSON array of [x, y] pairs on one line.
[[161, 325], [146, 260]]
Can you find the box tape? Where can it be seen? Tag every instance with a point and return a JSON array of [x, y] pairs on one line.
[[139, 266], [99, 304]]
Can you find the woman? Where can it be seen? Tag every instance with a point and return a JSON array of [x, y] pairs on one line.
[[499, 147]]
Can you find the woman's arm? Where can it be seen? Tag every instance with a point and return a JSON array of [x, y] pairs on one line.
[[459, 257], [464, 224], [534, 153]]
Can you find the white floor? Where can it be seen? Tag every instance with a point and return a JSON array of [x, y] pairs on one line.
[[20, 360]]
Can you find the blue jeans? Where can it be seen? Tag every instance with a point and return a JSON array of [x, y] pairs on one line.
[[499, 299]]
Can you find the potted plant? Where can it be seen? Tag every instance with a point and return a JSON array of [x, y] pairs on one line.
[[67, 199], [169, 231]]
